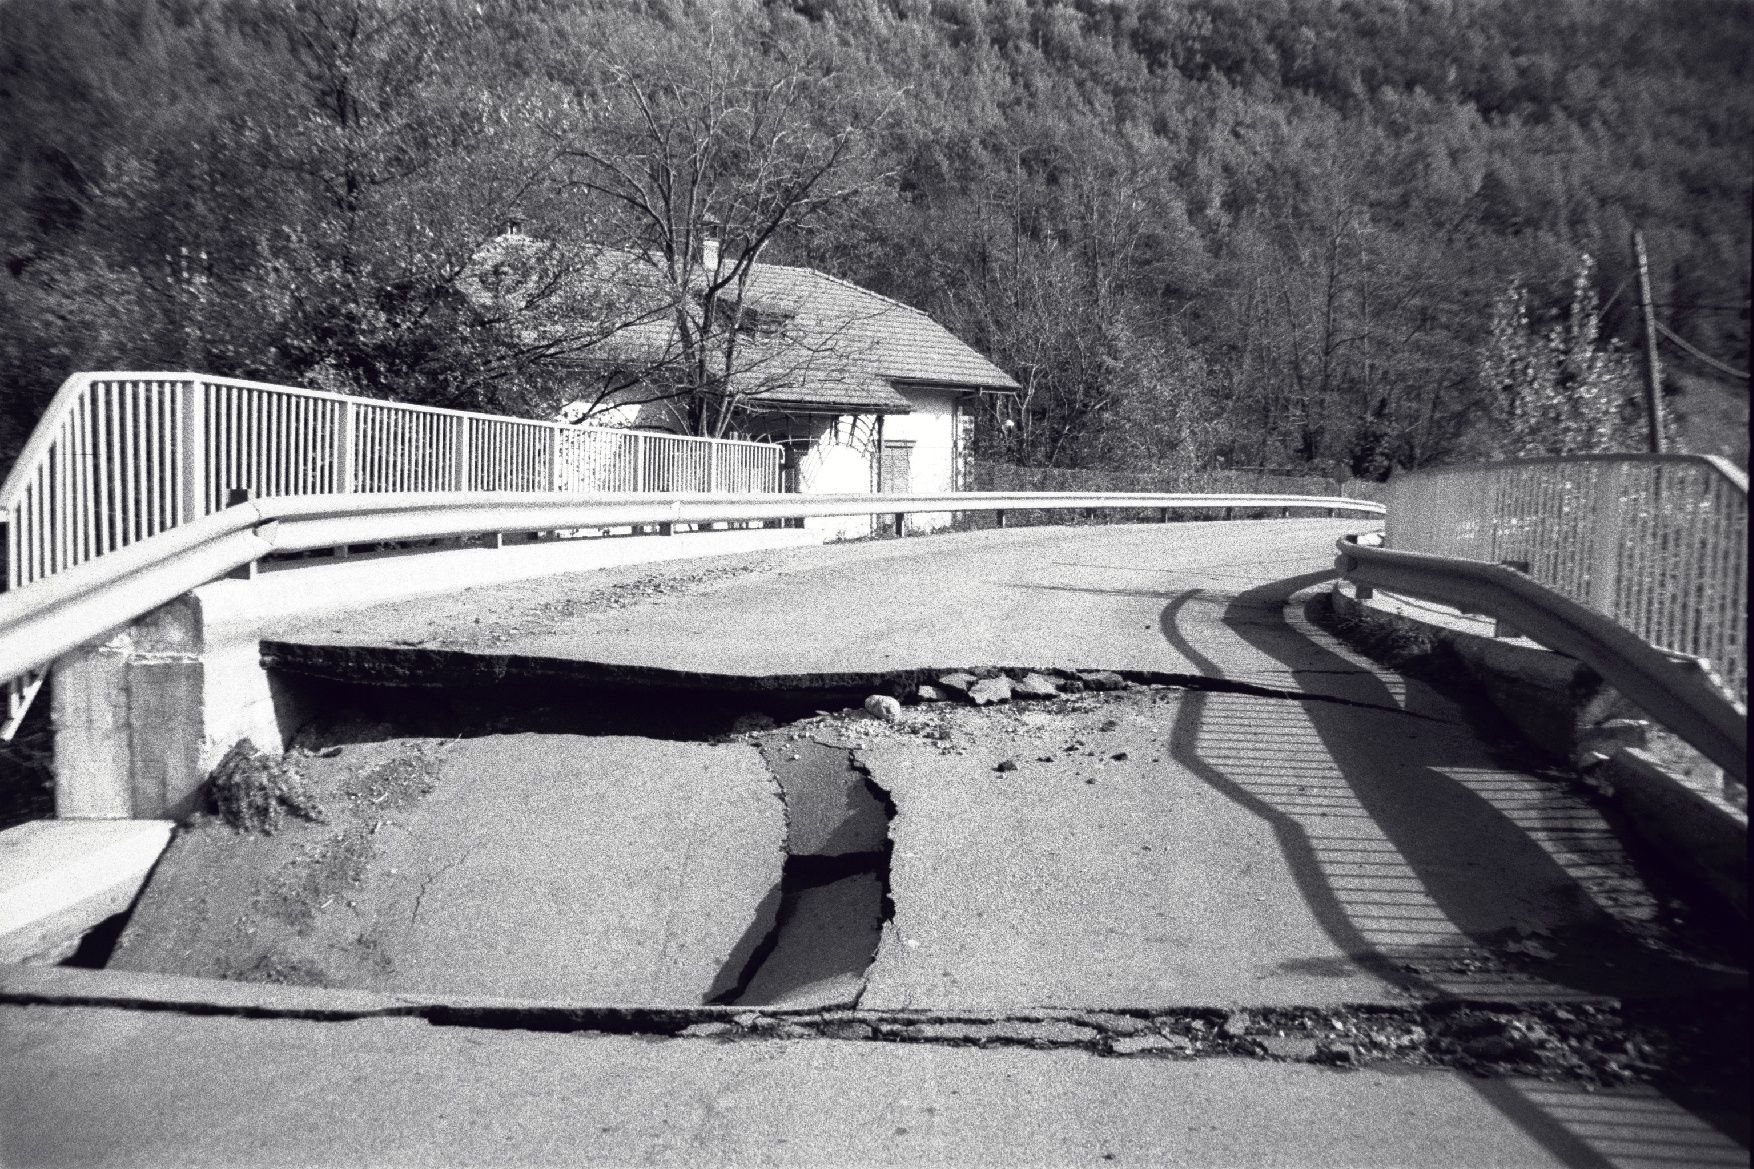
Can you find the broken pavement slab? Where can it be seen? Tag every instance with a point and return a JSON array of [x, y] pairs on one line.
[[537, 867], [1182, 848], [1128, 597]]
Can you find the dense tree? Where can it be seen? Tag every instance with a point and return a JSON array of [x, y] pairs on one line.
[[1251, 232]]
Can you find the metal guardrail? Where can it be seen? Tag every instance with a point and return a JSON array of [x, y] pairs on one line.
[[121, 457], [42, 621], [1658, 543], [1674, 690]]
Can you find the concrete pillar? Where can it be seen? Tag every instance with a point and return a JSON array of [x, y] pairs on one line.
[[141, 719]]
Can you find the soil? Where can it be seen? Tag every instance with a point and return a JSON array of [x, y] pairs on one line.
[[226, 903]]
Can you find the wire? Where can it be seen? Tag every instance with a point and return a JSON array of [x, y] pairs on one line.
[[1716, 308], [1711, 361]]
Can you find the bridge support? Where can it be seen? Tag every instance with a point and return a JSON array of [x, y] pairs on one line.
[[142, 718]]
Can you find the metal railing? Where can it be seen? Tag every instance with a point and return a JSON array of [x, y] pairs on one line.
[[1675, 692], [119, 457], [1657, 543]]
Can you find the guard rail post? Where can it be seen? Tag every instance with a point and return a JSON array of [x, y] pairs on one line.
[[247, 570], [193, 441], [1605, 554]]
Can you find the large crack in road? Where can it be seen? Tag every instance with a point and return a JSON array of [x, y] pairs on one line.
[[1079, 870]]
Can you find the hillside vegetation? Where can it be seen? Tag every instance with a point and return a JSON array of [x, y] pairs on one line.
[[1328, 235]]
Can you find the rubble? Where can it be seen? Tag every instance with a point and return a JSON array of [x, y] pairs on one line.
[[989, 691], [1034, 685], [883, 707]]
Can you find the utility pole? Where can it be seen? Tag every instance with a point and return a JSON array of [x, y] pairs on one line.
[[1653, 374]]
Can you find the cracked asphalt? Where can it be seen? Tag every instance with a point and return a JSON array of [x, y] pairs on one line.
[[1101, 903]]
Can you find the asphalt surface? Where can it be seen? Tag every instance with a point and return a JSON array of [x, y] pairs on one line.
[[182, 1090], [1339, 835], [1079, 598]]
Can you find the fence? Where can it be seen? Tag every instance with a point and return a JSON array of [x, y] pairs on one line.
[[988, 476], [1658, 543], [119, 457]]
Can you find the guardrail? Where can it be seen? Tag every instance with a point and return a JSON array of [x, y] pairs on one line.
[[1658, 543], [1676, 691], [120, 457], [42, 621]]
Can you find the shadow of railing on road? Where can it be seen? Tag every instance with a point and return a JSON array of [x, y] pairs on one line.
[[1425, 862]]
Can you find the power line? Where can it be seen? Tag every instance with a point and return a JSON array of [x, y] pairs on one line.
[[1716, 308], [1711, 361]]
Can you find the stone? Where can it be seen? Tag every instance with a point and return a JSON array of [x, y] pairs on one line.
[[1007, 765], [1336, 1054], [988, 691], [958, 682], [1135, 1044], [707, 1030], [883, 707], [1035, 686], [1102, 680], [1288, 1046], [1235, 1024], [929, 693]]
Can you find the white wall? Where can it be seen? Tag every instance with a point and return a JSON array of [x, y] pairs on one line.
[[836, 460], [932, 430]]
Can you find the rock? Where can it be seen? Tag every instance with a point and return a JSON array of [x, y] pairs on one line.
[[1007, 765], [1235, 1024], [1288, 1046], [1336, 1054], [958, 682], [707, 1030], [1102, 680], [988, 691], [929, 693], [1134, 1044], [884, 707], [1035, 686], [1119, 756]]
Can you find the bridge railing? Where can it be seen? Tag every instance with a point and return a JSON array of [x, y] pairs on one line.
[[119, 457], [1657, 543]]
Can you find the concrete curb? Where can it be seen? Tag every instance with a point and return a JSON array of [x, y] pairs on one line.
[[1700, 834], [1551, 699], [59, 878], [1554, 701]]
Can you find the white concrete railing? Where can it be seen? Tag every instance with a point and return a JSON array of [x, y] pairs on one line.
[[1657, 543], [120, 457]]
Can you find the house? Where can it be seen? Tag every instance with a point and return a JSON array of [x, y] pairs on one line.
[[865, 393]]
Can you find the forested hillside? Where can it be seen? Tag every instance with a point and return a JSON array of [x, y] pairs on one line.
[[1334, 235]]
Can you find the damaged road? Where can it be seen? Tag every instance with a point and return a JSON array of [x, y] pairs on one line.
[[1187, 856]]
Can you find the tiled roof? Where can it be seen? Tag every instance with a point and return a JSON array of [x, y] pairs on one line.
[[882, 336], [830, 343]]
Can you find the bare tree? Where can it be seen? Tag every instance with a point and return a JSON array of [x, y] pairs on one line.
[[691, 163]]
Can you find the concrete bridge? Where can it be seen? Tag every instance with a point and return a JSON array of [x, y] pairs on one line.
[[1043, 845], [1227, 912]]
